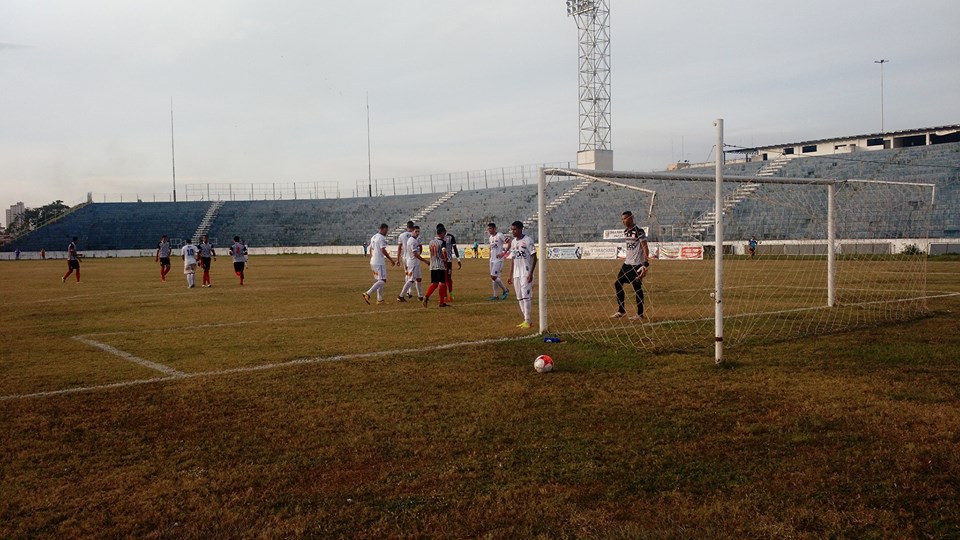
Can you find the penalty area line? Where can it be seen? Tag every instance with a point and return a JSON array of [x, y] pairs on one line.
[[127, 356], [179, 376]]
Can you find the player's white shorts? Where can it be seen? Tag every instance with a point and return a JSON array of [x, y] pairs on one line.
[[190, 269], [522, 289], [496, 265], [413, 270], [379, 271]]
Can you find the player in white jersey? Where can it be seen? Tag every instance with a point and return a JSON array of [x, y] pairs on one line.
[[163, 257], [189, 253], [411, 262], [378, 263], [401, 256], [498, 247], [239, 253], [524, 254], [635, 266]]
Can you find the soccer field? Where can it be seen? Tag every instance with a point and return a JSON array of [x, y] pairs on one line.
[[290, 407], [292, 308]]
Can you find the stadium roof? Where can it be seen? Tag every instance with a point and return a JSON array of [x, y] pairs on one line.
[[939, 130]]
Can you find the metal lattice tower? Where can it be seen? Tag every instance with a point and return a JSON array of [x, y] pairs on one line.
[[593, 23]]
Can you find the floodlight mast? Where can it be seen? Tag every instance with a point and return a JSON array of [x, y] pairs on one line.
[[593, 24]]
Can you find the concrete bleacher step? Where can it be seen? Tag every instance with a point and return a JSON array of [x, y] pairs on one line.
[[559, 200], [419, 216], [776, 165], [706, 221], [204, 226]]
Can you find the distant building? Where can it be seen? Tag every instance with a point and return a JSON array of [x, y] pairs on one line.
[[14, 212], [855, 143]]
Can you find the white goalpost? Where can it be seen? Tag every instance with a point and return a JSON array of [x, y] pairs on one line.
[[833, 254]]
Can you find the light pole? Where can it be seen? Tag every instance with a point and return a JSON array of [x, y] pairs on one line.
[[369, 167], [593, 25], [173, 153], [881, 62]]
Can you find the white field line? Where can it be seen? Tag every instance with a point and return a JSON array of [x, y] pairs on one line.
[[160, 292], [342, 357], [167, 370], [249, 369], [267, 321], [81, 389], [645, 324]]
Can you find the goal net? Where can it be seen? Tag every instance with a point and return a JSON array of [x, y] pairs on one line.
[[829, 255]]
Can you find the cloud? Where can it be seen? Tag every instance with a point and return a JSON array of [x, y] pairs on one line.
[[12, 46], [277, 91]]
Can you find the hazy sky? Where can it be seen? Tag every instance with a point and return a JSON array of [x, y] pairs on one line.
[[276, 91]]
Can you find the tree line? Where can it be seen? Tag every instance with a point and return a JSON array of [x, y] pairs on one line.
[[32, 218]]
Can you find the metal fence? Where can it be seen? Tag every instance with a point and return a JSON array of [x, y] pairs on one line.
[[458, 181], [378, 187]]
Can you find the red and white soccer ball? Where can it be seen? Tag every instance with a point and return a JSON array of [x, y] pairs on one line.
[[543, 364]]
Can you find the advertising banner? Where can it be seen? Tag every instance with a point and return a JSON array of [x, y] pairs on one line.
[[617, 234], [598, 252], [679, 253], [564, 252]]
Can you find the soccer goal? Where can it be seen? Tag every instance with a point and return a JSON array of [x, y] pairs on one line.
[[829, 255]]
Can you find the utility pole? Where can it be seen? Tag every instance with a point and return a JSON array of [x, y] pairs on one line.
[[369, 167], [173, 156], [881, 62]]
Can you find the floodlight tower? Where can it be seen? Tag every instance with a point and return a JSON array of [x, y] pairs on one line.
[[593, 23]]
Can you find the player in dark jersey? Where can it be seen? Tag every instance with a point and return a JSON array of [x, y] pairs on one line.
[[450, 244], [163, 257], [238, 251], [438, 272], [73, 261], [206, 253]]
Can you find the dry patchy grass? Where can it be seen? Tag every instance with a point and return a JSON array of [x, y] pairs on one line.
[[849, 435]]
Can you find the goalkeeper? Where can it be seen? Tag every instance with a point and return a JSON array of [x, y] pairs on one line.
[[635, 266]]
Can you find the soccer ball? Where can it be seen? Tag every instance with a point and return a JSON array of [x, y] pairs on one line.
[[543, 364]]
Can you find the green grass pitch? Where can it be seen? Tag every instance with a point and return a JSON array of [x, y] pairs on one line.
[[289, 407]]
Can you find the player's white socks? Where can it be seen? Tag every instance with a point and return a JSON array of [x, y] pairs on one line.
[[525, 307], [419, 290], [377, 288], [406, 287], [498, 284], [191, 279]]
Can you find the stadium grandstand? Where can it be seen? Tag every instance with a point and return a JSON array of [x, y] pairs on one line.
[[930, 156]]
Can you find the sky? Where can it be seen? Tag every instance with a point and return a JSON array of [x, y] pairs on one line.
[[277, 91]]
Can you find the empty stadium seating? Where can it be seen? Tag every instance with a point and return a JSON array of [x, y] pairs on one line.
[[111, 226], [313, 222], [351, 221]]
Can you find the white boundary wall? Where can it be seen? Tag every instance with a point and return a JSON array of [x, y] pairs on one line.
[[739, 248], [221, 252]]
